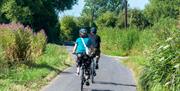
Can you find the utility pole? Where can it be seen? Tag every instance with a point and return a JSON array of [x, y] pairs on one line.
[[92, 16], [126, 10], [92, 13]]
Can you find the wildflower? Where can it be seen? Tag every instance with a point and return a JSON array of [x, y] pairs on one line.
[[177, 66], [165, 47], [169, 39]]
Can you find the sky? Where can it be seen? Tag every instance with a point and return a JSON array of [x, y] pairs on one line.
[[77, 9]]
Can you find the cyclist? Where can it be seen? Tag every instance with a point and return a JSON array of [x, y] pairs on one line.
[[96, 40], [80, 49]]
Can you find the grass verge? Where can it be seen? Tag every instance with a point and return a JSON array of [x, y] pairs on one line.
[[33, 77], [134, 63]]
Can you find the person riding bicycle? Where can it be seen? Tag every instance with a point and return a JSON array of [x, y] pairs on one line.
[[79, 48], [96, 40]]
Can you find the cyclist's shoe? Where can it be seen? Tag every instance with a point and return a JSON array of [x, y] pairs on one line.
[[94, 73], [78, 71], [97, 67], [77, 74], [87, 83]]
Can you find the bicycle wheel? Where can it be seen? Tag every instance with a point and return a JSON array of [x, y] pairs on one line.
[[82, 78], [92, 71]]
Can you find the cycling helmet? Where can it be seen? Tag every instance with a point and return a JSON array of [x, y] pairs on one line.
[[93, 30], [83, 31]]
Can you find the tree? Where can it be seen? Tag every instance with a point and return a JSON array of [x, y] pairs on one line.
[[98, 7], [39, 14], [162, 8], [137, 19], [107, 19], [69, 28], [84, 21]]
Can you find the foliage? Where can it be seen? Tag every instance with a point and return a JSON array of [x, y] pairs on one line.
[[16, 13], [162, 70], [39, 14], [69, 28], [158, 8], [120, 41], [98, 7], [33, 78], [137, 19], [120, 23], [84, 21], [107, 19], [19, 44], [38, 44]]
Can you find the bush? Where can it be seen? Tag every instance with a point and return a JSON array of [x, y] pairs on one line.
[[20, 44], [162, 71], [138, 19], [38, 44], [108, 19], [84, 21], [69, 28], [120, 23], [164, 27], [20, 49]]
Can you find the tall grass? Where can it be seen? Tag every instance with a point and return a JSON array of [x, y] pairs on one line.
[[32, 78], [154, 53], [118, 42], [163, 69], [20, 44]]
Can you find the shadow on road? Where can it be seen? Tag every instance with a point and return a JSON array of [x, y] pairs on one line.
[[67, 73], [71, 43], [100, 90], [34, 65], [112, 83]]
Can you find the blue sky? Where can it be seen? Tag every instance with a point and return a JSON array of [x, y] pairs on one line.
[[77, 9]]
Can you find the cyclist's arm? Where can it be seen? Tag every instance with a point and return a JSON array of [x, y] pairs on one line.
[[75, 47]]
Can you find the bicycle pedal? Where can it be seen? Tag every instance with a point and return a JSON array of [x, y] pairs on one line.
[[94, 74], [87, 83]]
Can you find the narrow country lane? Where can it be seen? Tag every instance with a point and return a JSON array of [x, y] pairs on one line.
[[111, 76]]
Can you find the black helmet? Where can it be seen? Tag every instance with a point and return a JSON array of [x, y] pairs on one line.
[[93, 30]]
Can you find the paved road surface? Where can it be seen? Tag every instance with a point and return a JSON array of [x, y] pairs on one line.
[[112, 76]]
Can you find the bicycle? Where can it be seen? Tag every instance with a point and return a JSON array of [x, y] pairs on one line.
[[85, 69], [93, 73]]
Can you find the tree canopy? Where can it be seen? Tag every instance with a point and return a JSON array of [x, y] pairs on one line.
[[39, 14], [162, 8], [99, 7]]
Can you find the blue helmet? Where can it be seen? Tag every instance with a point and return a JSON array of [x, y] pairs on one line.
[[93, 30], [83, 31]]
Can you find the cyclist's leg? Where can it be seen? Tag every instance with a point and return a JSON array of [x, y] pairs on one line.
[[87, 69], [79, 62], [88, 66], [97, 53]]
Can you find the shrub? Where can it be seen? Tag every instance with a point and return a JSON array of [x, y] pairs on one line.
[[20, 49], [163, 69], [164, 27], [84, 21], [138, 19], [20, 44], [69, 28], [108, 19], [38, 44], [120, 23]]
